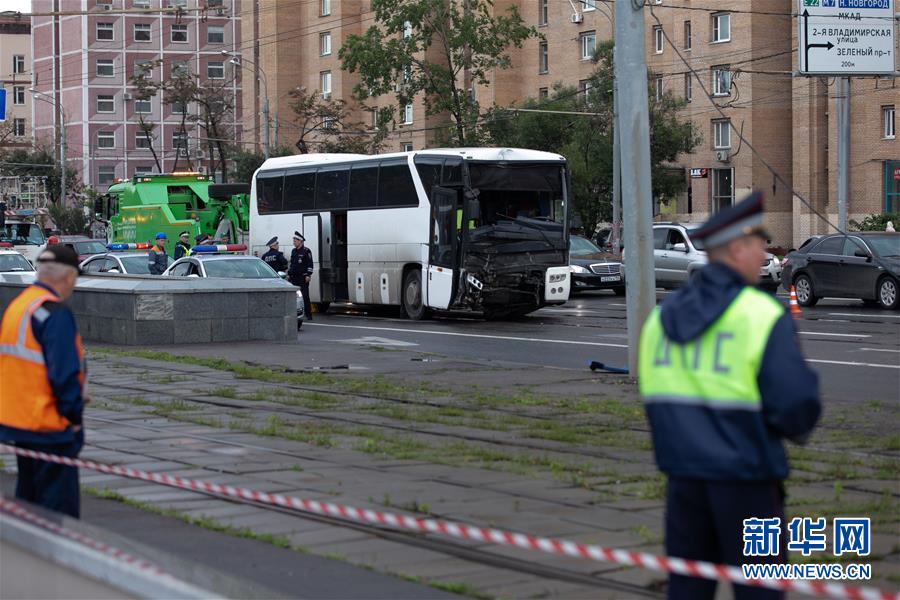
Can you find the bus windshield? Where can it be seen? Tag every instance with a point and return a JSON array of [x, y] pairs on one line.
[[22, 234], [519, 196]]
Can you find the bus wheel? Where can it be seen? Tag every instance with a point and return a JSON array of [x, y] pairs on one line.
[[413, 302]]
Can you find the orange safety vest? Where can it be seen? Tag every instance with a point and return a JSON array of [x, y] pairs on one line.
[[26, 399]]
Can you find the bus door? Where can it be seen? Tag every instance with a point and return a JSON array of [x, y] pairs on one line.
[[312, 231], [333, 262], [443, 247]]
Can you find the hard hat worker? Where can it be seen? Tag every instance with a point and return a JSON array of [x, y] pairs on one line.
[[157, 259], [42, 376], [724, 382]]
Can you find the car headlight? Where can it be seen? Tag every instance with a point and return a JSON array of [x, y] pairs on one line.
[[577, 269], [776, 262]]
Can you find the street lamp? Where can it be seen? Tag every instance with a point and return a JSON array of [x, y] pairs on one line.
[[237, 60], [62, 139]]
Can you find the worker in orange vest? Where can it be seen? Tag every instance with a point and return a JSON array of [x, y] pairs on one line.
[[42, 376]]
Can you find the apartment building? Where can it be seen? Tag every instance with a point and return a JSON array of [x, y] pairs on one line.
[[15, 77], [84, 63], [741, 51]]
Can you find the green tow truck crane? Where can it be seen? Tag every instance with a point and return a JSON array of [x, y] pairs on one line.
[[135, 210]]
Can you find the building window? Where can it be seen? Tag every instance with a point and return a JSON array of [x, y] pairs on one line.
[[104, 4], [658, 87], [585, 86], [721, 27], [325, 84], [543, 58], [106, 104], [687, 35], [177, 3], [589, 5], [179, 108], [105, 68], [408, 114], [106, 139], [722, 134], [406, 147], [215, 34], [143, 68], [143, 107], [19, 127], [142, 3], [180, 68], [888, 117], [723, 189], [325, 43], [179, 34], [325, 8], [721, 80], [588, 43], [407, 30], [688, 87], [215, 69], [19, 95], [543, 93], [657, 39], [106, 175], [141, 141], [543, 12], [18, 63], [180, 142], [105, 32], [142, 32]]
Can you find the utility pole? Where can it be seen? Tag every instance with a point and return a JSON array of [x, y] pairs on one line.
[[62, 157], [633, 128], [843, 119], [266, 127], [616, 235], [276, 129]]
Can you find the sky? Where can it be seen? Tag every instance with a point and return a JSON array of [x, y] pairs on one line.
[[16, 5]]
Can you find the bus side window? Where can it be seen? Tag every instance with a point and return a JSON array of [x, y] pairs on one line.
[[299, 191], [452, 172], [364, 186], [395, 186], [429, 172], [331, 188]]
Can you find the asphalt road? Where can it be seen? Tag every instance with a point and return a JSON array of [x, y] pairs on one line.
[[855, 349]]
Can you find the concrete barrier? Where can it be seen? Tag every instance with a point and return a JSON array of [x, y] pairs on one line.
[[139, 310]]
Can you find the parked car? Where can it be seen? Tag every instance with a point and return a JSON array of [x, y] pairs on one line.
[[676, 256], [231, 266], [124, 263], [592, 269], [13, 262], [83, 245], [863, 265]]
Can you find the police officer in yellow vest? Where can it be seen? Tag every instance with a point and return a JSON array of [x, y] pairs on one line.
[[723, 382], [42, 382]]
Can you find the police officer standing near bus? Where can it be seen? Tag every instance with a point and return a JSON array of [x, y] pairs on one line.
[[157, 259], [301, 270], [42, 378], [723, 382], [182, 246], [275, 257]]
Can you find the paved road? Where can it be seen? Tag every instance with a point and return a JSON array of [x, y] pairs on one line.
[[855, 349]]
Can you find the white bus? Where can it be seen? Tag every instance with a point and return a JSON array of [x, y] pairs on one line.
[[482, 230]]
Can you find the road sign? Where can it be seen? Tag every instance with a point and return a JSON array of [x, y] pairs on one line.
[[2, 104], [847, 37]]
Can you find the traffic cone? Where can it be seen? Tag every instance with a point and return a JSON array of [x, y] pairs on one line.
[[796, 312]]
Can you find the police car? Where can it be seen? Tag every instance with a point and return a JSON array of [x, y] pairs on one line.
[[124, 259], [13, 262], [221, 261]]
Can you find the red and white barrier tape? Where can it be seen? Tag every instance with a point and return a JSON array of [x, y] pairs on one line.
[[665, 564], [16, 510]]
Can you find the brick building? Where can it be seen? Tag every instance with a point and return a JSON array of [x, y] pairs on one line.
[[742, 50], [85, 61], [15, 77]]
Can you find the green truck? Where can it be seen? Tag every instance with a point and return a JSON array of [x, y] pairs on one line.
[[135, 210]]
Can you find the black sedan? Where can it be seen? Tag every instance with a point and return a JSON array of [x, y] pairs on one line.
[[592, 269], [863, 265]]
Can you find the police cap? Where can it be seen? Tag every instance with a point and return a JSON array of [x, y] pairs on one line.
[[272, 242], [742, 219], [299, 236]]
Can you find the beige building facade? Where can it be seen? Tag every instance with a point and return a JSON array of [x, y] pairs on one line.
[[15, 78], [741, 51]]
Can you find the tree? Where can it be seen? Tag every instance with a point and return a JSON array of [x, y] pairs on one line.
[[328, 124], [437, 49], [246, 163], [70, 220], [38, 163], [587, 140]]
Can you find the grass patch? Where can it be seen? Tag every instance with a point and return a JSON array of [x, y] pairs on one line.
[[228, 391]]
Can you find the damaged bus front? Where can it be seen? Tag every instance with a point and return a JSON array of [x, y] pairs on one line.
[[499, 232]]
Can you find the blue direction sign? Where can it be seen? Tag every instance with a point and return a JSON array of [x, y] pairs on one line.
[[2, 104]]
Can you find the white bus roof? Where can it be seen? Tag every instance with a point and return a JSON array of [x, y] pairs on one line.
[[487, 154]]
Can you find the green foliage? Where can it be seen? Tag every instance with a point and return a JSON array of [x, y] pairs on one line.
[[435, 50], [245, 162], [69, 220], [875, 222], [38, 163], [587, 141], [328, 124]]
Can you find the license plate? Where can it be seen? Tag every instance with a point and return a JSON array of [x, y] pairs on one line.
[[611, 278]]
